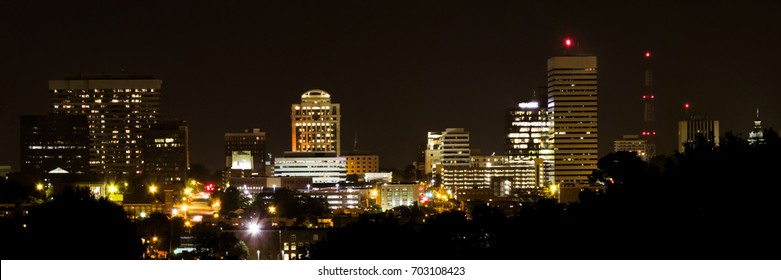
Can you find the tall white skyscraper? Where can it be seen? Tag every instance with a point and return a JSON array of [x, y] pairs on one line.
[[449, 148], [572, 103], [119, 109], [316, 123]]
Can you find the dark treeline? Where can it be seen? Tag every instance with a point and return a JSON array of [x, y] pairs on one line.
[[707, 203], [73, 225]]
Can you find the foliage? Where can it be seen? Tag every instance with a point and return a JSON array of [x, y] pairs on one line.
[[74, 225]]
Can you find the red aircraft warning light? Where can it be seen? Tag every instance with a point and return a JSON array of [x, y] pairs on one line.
[[647, 54], [568, 42], [686, 106]]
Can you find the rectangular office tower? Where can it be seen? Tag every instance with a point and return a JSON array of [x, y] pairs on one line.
[[119, 109], [166, 154], [572, 104], [316, 123], [245, 153], [54, 144]]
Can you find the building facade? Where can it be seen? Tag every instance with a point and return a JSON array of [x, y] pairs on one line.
[[245, 153], [572, 105], [447, 149], [359, 163], [697, 127], [166, 154], [54, 142], [528, 128], [394, 195], [632, 143], [119, 109], [316, 123], [321, 167]]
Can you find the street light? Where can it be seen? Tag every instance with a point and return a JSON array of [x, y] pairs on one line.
[[152, 189], [253, 230]]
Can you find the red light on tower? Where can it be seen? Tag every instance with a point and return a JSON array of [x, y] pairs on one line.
[[568, 42], [686, 106], [647, 54]]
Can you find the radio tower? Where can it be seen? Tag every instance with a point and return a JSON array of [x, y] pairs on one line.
[[649, 132]]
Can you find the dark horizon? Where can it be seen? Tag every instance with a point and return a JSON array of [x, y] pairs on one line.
[[399, 69]]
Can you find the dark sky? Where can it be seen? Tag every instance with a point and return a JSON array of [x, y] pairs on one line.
[[399, 68]]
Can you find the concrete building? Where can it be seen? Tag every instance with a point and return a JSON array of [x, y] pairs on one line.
[[697, 127], [394, 195], [322, 167], [166, 154], [632, 143], [245, 153], [316, 123], [341, 198], [572, 105], [54, 143], [119, 109]]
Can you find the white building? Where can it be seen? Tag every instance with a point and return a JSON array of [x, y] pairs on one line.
[[321, 167], [447, 149], [572, 104], [316, 123]]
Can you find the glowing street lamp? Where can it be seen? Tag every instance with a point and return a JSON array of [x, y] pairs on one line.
[[255, 229], [152, 189], [39, 186], [272, 209]]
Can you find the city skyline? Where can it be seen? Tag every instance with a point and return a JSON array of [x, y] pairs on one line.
[[221, 80]]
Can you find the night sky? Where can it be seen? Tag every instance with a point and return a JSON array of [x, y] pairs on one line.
[[399, 68]]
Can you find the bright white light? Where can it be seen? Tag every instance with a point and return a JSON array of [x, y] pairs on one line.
[[529, 105], [253, 228]]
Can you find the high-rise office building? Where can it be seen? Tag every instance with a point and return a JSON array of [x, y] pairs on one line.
[[697, 128], [54, 143], [245, 153], [528, 128], [316, 123], [166, 154], [449, 148], [119, 109], [572, 104]]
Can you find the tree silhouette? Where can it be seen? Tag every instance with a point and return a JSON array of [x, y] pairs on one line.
[[75, 225]]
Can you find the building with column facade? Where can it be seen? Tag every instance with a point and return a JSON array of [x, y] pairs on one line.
[[572, 105], [316, 123], [119, 109], [696, 127], [321, 167]]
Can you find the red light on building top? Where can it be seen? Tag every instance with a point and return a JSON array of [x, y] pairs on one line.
[[568, 42], [644, 97], [647, 54], [654, 132], [652, 97], [686, 105]]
